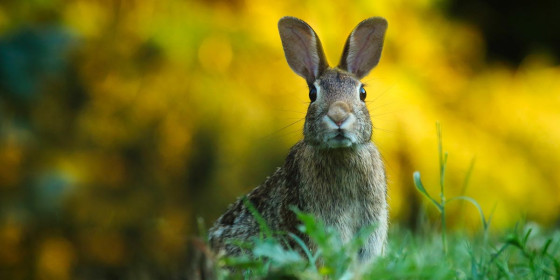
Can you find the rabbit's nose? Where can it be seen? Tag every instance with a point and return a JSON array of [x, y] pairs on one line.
[[339, 112]]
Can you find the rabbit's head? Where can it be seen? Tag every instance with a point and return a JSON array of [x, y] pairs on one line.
[[337, 115]]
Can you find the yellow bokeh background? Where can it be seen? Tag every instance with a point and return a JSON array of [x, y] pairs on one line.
[[182, 106]]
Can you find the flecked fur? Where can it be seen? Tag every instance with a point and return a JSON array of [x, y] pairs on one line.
[[345, 187]]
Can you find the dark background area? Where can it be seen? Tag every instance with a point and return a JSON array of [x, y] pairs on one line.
[[512, 29]]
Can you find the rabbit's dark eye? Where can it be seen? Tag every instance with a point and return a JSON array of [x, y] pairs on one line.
[[313, 93], [363, 94]]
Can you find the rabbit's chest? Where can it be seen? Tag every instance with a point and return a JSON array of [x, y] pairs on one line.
[[347, 208], [345, 190], [347, 221]]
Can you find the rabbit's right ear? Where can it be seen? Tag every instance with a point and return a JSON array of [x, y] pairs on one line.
[[302, 48]]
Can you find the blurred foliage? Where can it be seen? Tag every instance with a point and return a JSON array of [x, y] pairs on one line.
[[121, 121]]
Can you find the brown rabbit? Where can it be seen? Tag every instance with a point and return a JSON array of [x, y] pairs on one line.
[[335, 172]]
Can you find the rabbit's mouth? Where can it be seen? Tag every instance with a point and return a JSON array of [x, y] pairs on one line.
[[340, 137], [339, 140]]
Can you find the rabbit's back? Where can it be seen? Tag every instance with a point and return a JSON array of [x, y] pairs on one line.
[[272, 200]]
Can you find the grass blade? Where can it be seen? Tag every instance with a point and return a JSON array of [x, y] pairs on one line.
[[473, 202], [422, 190], [260, 220]]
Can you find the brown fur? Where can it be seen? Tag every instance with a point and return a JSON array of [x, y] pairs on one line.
[[335, 172]]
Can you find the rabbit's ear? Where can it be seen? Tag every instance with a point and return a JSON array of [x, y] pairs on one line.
[[302, 48], [363, 47]]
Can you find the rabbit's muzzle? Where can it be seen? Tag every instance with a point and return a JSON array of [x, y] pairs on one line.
[[339, 123]]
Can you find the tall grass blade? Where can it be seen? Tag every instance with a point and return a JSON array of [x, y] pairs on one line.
[[468, 177], [422, 190], [473, 202], [306, 250], [202, 229], [260, 220]]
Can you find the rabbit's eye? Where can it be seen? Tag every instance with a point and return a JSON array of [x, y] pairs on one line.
[[363, 94], [313, 93]]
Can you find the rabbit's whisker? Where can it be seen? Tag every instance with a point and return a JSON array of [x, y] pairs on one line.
[[382, 94], [291, 111], [275, 133]]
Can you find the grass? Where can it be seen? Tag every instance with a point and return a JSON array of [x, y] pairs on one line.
[[523, 252]]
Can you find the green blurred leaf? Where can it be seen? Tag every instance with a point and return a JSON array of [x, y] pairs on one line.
[[270, 248]]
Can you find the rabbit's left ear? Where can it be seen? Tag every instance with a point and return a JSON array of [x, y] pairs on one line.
[[363, 47]]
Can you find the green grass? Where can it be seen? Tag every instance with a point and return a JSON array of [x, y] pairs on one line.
[[523, 252]]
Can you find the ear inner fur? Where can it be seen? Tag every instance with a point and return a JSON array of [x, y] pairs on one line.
[[302, 48], [363, 47]]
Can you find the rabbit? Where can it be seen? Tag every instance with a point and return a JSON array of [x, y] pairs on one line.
[[336, 172]]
